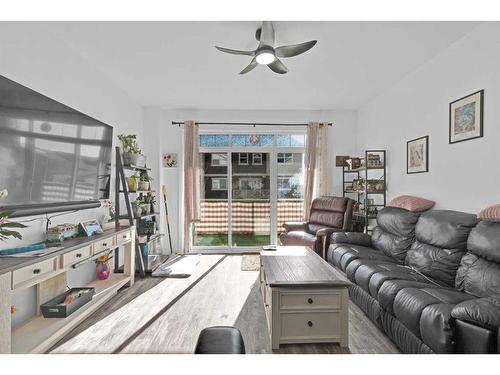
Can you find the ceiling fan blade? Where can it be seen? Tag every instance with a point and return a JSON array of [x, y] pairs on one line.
[[267, 34], [235, 51], [250, 66], [294, 49], [278, 67]]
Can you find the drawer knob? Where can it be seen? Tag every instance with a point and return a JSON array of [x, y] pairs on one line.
[[79, 255], [310, 300], [310, 324], [104, 244], [36, 271], [125, 236]]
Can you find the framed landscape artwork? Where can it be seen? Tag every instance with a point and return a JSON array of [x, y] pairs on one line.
[[466, 117], [417, 155]]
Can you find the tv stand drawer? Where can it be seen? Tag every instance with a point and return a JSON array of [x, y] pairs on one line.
[[76, 256], [33, 272]]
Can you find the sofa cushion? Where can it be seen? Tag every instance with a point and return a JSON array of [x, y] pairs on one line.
[[392, 245], [399, 273], [434, 262], [478, 276], [484, 312], [484, 241], [340, 255], [390, 288], [445, 229], [411, 203], [368, 270], [441, 243], [397, 221], [426, 312]]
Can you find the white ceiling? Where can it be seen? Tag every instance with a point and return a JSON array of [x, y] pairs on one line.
[[175, 64]]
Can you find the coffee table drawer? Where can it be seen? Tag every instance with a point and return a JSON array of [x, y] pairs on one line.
[[310, 325], [34, 271], [312, 300], [76, 256]]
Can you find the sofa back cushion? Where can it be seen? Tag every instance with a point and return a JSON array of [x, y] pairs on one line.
[[479, 271], [395, 232], [441, 242], [327, 212]]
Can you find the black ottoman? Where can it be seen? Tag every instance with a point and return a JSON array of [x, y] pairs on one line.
[[220, 340]]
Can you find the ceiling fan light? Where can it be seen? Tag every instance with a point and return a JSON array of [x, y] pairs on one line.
[[265, 57]]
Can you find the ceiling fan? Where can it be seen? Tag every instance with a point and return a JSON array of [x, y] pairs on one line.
[[266, 54]]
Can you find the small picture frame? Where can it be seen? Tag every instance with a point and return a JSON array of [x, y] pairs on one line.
[[90, 227], [417, 155], [466, 118], [170, 160]]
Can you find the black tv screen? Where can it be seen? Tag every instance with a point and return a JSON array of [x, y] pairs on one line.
[[50, 153]]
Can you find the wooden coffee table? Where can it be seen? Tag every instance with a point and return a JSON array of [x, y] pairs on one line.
[[306, 300]]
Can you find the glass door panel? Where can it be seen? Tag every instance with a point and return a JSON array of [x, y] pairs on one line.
[[251, 205], [212, 230], [290, 188]]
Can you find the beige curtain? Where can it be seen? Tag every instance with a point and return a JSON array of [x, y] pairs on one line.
[[317, 173], [191, 181]]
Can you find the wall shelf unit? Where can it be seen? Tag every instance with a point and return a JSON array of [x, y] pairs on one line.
[[366, 185]]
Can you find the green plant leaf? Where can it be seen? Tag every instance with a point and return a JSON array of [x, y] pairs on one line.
[[12, 224]]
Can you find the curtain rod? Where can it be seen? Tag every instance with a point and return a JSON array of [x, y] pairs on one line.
[[246, 123]]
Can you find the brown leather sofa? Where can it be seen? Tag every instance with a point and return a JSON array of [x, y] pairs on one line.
[[328, 215]]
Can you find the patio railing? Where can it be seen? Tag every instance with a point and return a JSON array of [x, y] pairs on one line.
[[248, 216]]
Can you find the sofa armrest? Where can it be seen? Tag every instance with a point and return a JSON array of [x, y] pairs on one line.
[[292, 226], [484, 312], [353, 238], [324, 232]]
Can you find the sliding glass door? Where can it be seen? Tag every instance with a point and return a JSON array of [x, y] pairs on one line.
[[250, 184]]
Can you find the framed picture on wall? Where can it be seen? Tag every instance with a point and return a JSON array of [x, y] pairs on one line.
[[466, 117], [417, 155]]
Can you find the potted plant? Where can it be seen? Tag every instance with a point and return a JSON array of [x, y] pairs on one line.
[[133, 182], [144, 181], [136, 207], [6, 227], [131, 151], [150, 199]]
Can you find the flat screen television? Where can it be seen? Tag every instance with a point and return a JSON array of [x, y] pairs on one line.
[[52, 157]]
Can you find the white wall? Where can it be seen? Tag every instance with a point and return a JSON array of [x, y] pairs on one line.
[[31, 56], [462, 176], [156, 122]]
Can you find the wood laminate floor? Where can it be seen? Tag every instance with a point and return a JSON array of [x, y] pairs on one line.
[[226, 296]]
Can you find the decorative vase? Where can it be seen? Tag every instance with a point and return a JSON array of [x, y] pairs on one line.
[[145, 208], [137, 160], [102, 270], [132, 183], [137, 210], [144, 185]]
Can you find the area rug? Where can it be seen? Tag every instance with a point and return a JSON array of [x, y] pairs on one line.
[[250, 262]]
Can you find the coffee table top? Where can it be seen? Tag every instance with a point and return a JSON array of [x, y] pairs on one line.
[[299, 266]]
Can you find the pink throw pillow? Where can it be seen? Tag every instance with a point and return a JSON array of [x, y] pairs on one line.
[[411, 203], [491, 213]]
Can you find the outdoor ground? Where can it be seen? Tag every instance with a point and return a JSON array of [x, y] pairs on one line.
[[238, 240]]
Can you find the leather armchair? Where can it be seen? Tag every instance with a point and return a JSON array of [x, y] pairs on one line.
[[328, 215]]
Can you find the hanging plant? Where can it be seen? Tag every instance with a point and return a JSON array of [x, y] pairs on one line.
[[6, 227]]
